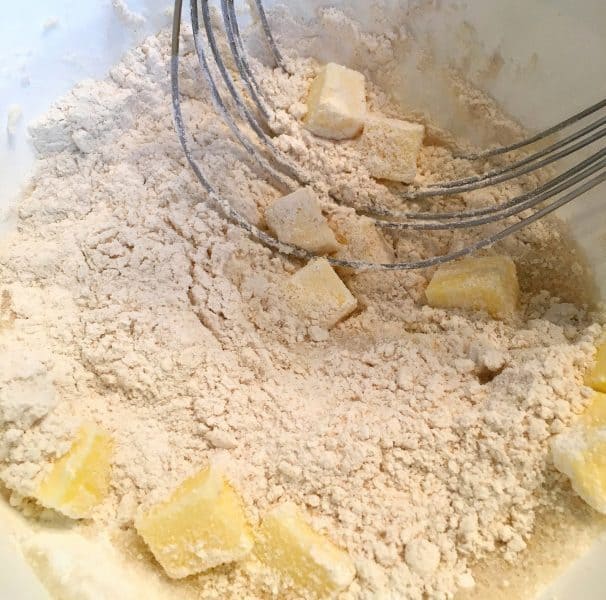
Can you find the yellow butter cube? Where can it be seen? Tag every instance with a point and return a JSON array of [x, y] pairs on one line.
[[79, 480], [297, 219], [317, 295], [489, 283], [361, 239], [200, 526], [390, 148], [596, 378], [580, 453], [336, 105], [311, 561], [595, 414]]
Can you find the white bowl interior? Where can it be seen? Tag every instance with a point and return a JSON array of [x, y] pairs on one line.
[[552, 58]]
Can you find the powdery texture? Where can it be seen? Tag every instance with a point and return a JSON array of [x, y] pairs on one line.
[[416, 438]]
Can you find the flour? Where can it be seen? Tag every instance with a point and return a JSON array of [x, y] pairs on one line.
[[65, 578], [416, 438], [50, 24], [126, 14]]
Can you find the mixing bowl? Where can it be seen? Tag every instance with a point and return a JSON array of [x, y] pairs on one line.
[[541, 60]]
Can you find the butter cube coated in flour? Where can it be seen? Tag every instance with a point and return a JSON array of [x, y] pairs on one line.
[[361, 239], [580, 453], [79, 480], [595, 413], [309, 560], [596, 378], [317, 295], [390, 148], [200, 526], [336, 105], [489, 283], [297, 219]]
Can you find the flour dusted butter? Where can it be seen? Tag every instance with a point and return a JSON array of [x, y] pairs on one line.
[[297, 219], [336, 105]]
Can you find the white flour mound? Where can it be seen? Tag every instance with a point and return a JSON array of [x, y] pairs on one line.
[[416, 438]]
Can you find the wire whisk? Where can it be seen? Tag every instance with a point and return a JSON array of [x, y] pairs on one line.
[[234, 106]]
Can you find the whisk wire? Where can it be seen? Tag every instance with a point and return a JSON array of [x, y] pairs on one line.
[[520, 203], [278, 178], [435, 216], [286, 176], [239, 53], [541, 135], [517, 169], [269, 36]]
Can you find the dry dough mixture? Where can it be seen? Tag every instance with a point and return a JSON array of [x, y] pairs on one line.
[[416, 438]]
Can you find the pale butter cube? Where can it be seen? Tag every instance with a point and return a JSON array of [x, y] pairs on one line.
[[596, 378], [336, 105], [311, 561], [580, 453], [360, 239], [489, 283], [317, 295], [297, 219], [200, 526], [595, 413], [390, 148], [79, 480]]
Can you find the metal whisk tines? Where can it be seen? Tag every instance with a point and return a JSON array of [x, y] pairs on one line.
[[249, 110]]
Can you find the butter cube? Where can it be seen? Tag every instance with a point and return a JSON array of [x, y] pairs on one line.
[[79, 480], [336, 105], [489, 283], [595, 414], [361, 239], [297, 219], [390, 148], [317, 295], [311, 561], [580, 453], [201, 525], [596, 378]]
